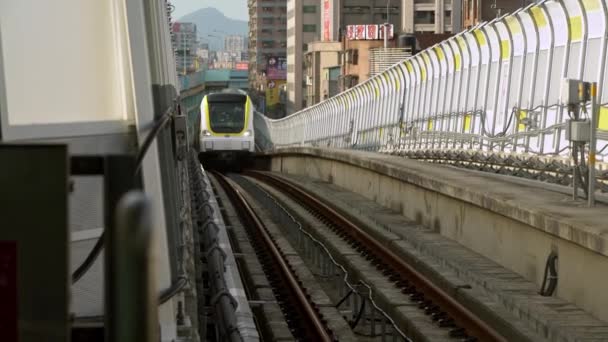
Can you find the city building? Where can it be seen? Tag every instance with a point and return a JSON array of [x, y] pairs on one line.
[[476, 11], [322, 71], [185, 44], [303, 27], [429, 16], [356, 61], [227, 60], [337, 14], [234, 43], [267, 44]]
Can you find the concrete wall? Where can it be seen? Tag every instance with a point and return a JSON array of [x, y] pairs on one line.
[[512, 225]]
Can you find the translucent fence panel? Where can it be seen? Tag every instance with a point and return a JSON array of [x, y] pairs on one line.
[[493, 89]]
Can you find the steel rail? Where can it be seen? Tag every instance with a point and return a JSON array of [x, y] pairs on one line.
[[317, 328], [462, 316]]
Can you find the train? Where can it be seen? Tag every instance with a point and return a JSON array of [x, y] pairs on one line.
[[227, 137]]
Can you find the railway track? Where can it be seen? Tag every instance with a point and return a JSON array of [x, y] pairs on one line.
[[300, 312], [448, 313]]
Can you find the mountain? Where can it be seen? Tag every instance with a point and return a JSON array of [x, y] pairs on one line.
[[210, 21]]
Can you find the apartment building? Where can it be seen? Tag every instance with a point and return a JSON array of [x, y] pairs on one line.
[[303, 27], [322, 62], [267, 38], [430, 16]]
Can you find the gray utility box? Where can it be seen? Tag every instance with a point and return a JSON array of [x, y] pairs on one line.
[[578, 130]]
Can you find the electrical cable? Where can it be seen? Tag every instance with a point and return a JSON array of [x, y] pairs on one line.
[[158, 125], [354, 324], [350, 292], [175, 288], [551, 275], [89, 260], [94, 253]]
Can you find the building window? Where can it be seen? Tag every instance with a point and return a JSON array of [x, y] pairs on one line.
[[305, 47], [310, 28], [309, 9], [424, 17]]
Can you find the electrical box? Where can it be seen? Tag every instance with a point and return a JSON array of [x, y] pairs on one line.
[[578, 130], [181, 143], [575, 91]]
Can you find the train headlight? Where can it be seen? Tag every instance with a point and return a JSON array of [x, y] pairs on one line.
[[248, 133], [206, 133]]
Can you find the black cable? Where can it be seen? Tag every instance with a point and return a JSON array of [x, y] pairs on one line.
[[353, 325], [90, 259], [174, 289], [158, 125], [94, 253], [577, 167], [551, 274], [344, 298]]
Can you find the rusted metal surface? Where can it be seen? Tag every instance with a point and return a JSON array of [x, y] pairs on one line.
[[305, 313], [442, 307]]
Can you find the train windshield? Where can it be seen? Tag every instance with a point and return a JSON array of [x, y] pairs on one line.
[[227, 117]]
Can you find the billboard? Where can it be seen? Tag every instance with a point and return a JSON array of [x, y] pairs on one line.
[[242, 66], [326, 21], [368, 32], [276, 68], [371, 32], [273, 91]]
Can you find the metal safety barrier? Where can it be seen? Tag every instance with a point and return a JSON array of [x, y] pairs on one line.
[[493, 89]]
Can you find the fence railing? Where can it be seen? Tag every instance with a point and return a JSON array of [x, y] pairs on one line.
[[493, 89]]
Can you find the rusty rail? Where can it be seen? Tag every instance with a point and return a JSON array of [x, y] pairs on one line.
[[414, 283], [315, 327]]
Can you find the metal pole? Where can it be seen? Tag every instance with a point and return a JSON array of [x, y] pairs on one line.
[[135, 302], [593, 143], [387, 24]]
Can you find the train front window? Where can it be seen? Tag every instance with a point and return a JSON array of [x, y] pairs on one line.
[[227, 117]]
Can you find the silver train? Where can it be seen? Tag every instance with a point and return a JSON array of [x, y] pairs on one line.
[[227, 133]]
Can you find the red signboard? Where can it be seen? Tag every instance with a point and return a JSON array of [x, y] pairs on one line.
[[326, 21], [242, 66], [350, 32], [8, 290], [360, 32], [371, 32], [368, 32]]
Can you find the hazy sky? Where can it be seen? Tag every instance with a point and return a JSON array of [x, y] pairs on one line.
[[236, 9]]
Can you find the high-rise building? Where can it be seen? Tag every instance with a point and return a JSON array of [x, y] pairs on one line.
[[322, 71], [267, 47], [185, 44], [429, 16], [234, 43], [303, 27]]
